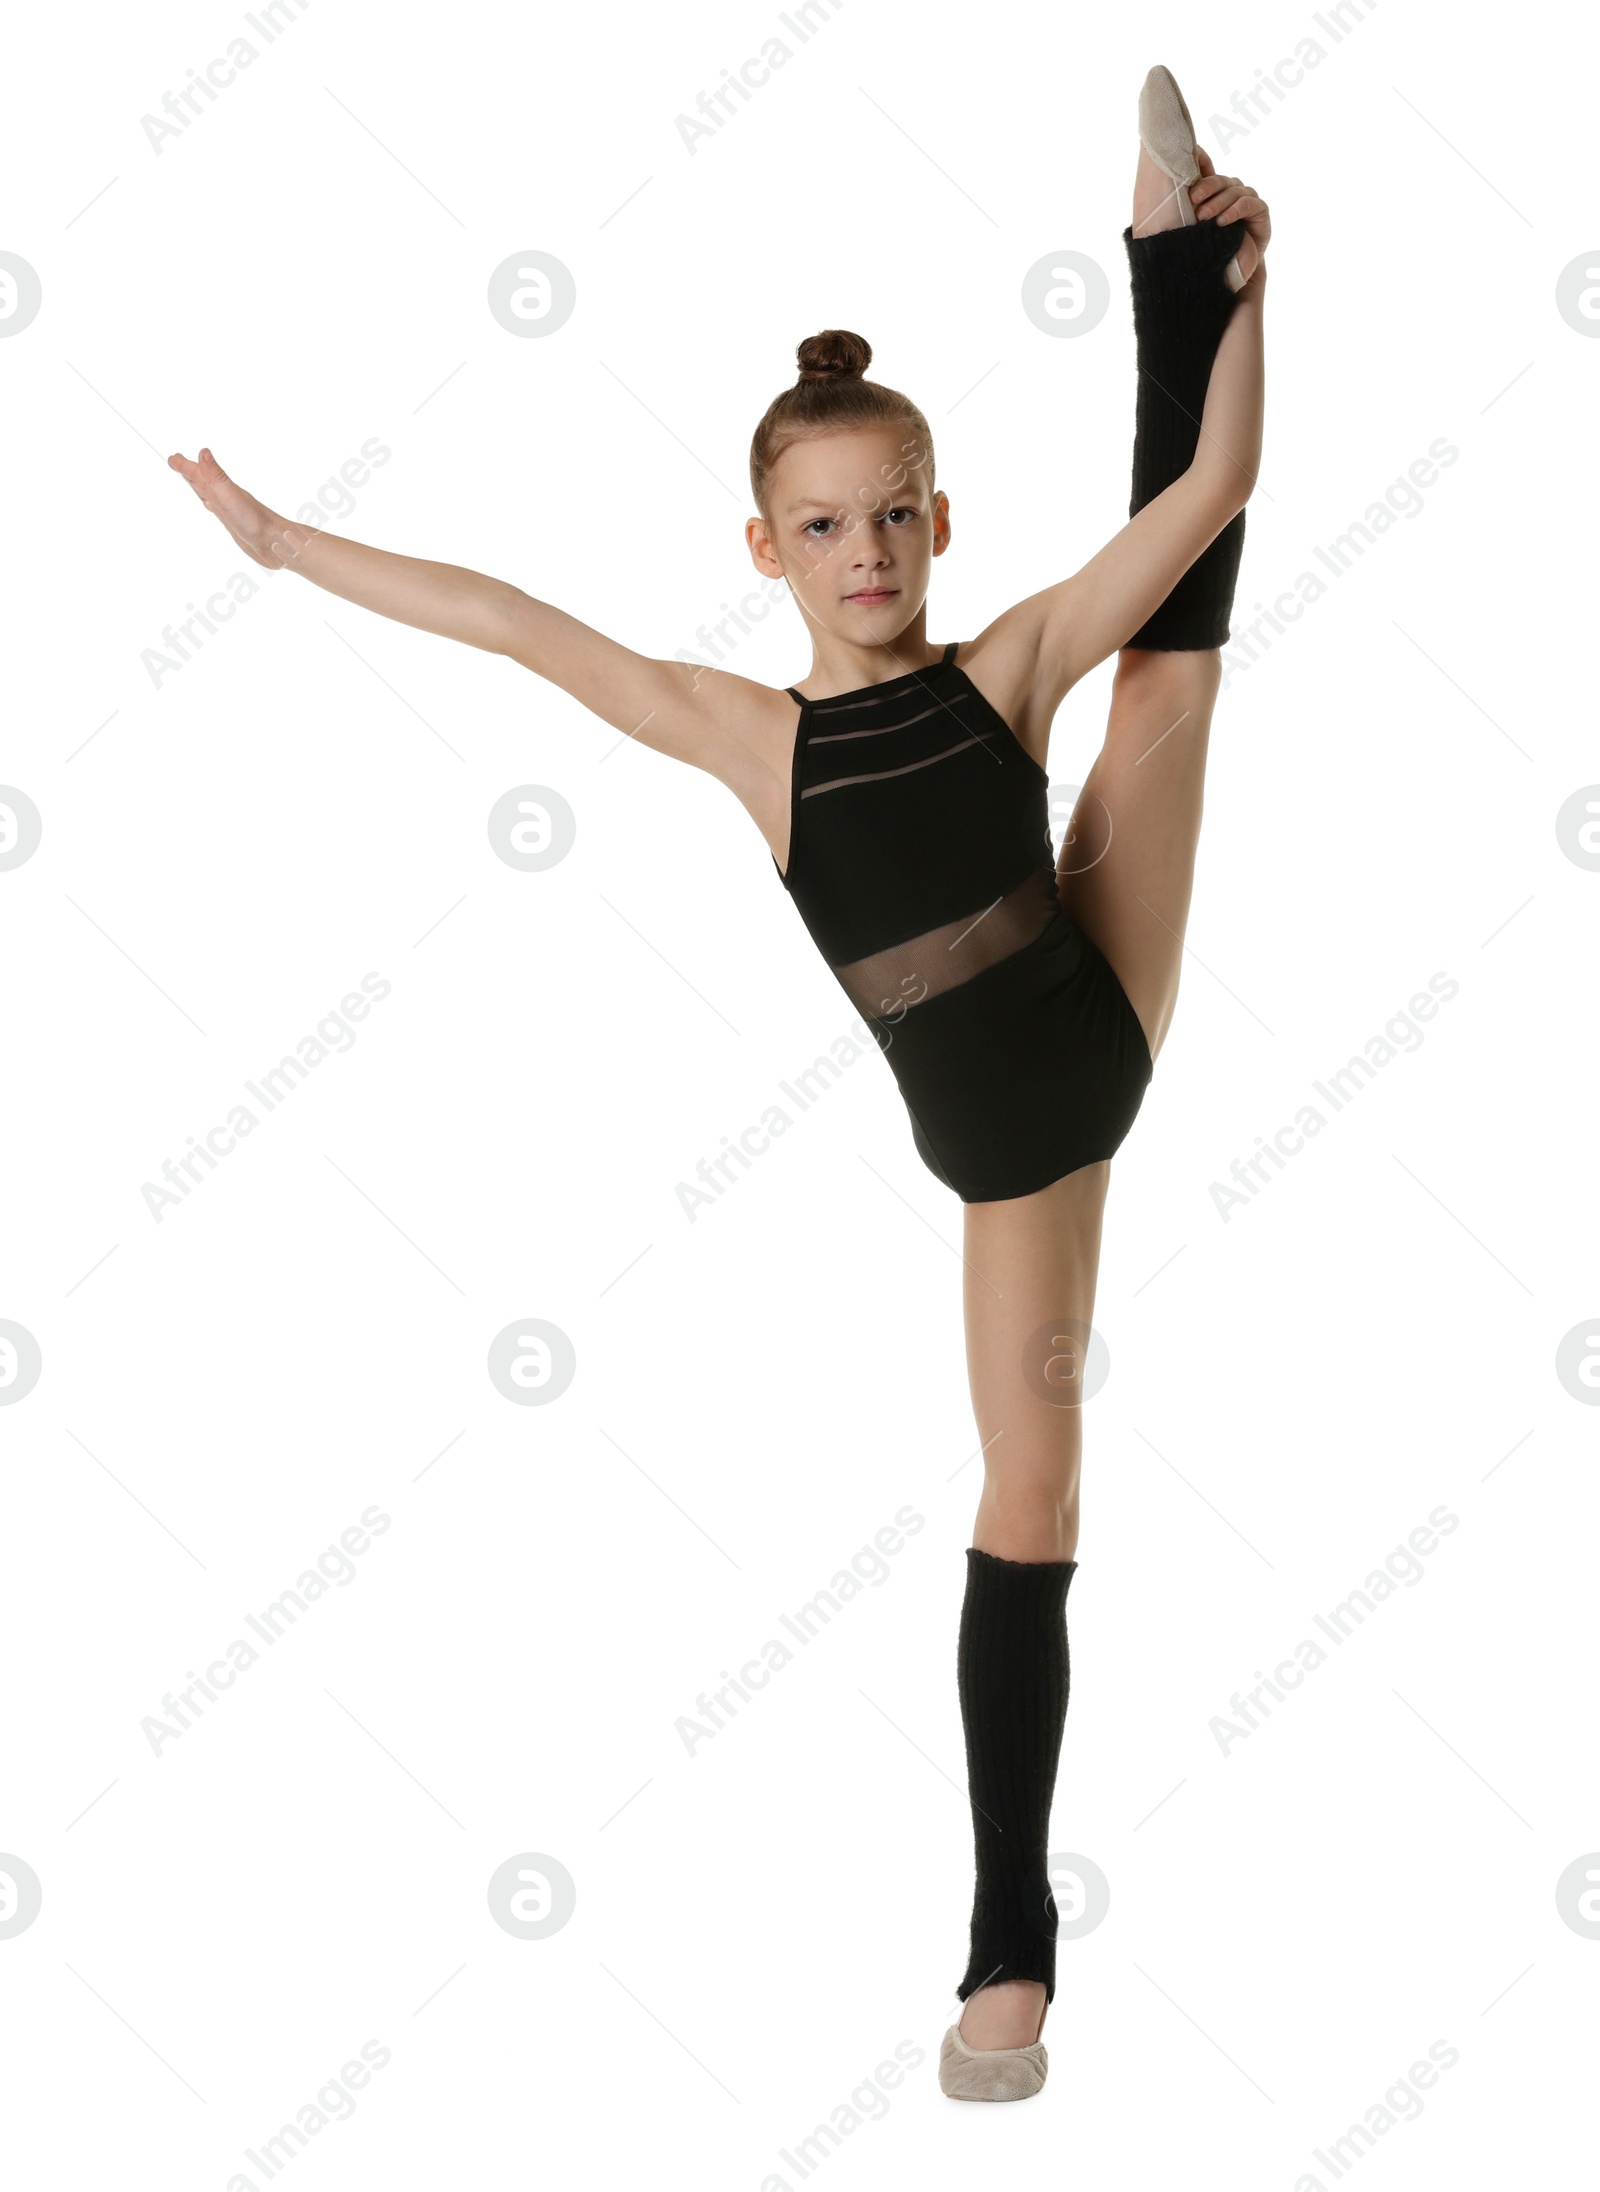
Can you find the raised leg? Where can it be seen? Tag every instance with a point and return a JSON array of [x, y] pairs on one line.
[[1126, 872]]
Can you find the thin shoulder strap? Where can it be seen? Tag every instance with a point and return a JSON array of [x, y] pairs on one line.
[[949, 654], [793, 695]]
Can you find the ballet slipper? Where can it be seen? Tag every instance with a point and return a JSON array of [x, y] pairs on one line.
[[968, 2073], [1166, 131]]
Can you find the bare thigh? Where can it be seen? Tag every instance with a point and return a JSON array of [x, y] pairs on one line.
[[1031, 1267], [1126, 876], [1126, 872]]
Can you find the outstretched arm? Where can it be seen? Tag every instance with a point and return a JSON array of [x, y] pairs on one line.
[[671, 706]]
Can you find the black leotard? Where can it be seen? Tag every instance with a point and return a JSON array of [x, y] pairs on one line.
[[921, 863]]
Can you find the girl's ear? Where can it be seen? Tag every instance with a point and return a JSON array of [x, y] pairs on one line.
[[759, 541]]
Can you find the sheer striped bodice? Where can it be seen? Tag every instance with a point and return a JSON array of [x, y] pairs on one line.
[[919, 844]]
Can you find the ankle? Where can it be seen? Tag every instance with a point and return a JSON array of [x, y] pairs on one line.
[[1010, 2014]]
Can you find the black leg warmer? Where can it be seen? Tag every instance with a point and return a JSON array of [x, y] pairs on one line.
[[1180, 307], [1012, 1673]]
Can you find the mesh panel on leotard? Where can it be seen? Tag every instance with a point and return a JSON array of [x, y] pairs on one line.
[[920, 860], [917, 820], [887, 984]]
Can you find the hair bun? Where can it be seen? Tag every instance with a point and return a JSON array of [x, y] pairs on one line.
[[834, 354]]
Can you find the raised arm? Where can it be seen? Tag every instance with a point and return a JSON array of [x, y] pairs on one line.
[[1093, 613], [674, 707], [1063, 632]]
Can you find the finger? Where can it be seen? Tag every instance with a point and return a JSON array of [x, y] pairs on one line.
[[1208, 186], [1203, 160], [1210, 197], [1235, 206], [1244, 208]]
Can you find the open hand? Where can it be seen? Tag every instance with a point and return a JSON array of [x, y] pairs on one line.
[[252, 525]]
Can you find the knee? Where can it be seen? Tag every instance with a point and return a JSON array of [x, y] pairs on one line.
[[1030, 1517]]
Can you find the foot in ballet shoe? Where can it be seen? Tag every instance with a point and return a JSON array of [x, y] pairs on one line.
[[968, 2073], [1167, 142], [1166, 132]]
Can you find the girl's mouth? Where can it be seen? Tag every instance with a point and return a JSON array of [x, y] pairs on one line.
[[873, 596]]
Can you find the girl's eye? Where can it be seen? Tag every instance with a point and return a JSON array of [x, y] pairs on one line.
[[900, 511]]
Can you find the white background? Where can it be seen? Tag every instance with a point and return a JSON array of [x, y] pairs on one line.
[[225, 854]]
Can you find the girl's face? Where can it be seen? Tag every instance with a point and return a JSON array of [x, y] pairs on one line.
[[854, 528]]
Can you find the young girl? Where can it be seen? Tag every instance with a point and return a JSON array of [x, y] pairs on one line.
[[1020, 1002]]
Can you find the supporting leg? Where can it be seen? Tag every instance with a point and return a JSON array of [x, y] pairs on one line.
[[1032, 1264], [1031, 1260]]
